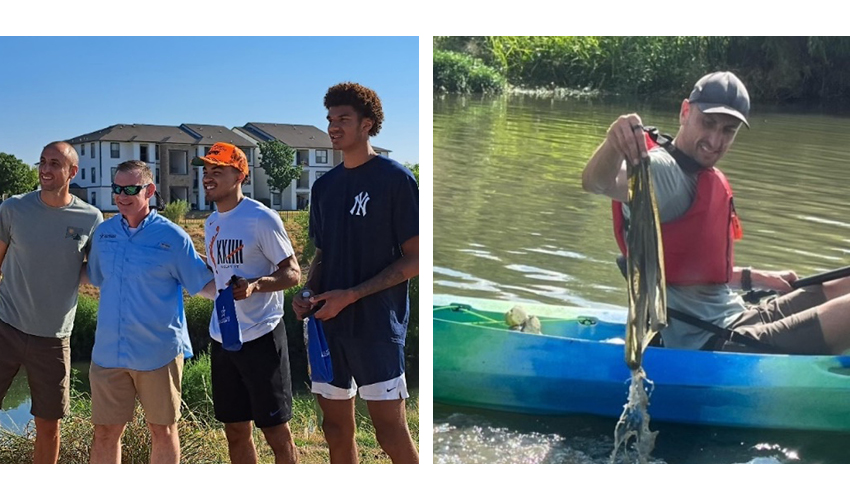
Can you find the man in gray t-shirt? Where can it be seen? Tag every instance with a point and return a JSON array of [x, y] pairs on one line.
[[811, 320], [44, 239]]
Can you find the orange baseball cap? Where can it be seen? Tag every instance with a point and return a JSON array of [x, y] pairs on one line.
[[227, 155]]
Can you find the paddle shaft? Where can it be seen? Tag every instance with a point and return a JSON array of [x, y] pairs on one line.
[[822, 277]]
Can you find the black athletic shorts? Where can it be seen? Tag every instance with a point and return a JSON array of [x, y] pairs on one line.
[[253, 383]]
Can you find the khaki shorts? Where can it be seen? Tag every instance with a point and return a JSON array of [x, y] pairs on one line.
[[114, 392], [789, 324], [47, 361]]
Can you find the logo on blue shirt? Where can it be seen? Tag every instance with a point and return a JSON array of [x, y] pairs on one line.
[[359, 207]]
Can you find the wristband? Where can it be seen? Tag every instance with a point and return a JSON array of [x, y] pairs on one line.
[[747, 279]]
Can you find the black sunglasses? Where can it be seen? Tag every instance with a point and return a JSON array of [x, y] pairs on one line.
[[128, 190]]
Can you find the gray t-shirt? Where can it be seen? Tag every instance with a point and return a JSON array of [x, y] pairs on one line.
[[674, 192], [46, 247]]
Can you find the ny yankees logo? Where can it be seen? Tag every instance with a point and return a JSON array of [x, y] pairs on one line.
[[360, 204]]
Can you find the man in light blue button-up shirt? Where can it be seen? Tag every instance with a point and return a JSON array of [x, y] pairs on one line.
[[141, 261]]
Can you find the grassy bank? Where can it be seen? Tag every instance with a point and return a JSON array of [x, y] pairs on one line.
[[775, 69], [201, 436]]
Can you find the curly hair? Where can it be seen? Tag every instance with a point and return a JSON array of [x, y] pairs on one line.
[[364, 101]]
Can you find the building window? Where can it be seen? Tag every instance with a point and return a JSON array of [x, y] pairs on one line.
[[206, 150], [275, 198], [83, 173], [304, 180], [302, 157], [114, 169], [321, 156], [157, 176], [156, 153], [178, 162], [320, 173], [82, 149], [247, 152], [94, 198], [143, 153], [302, 201], [92, 150], [92, 174], [114, 150]]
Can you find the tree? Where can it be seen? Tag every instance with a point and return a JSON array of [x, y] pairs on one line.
[[414, 169], [278, 162], [16, 177]]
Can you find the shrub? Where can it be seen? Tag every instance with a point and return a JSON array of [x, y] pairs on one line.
[[85, 324], [197, 385], [302, 218], [176, 211], [455, 72], [198, 313]]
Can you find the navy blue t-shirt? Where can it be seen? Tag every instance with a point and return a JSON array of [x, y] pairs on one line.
[[359, 218]]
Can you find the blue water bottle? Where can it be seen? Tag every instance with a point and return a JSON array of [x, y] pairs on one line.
[[228, 324]]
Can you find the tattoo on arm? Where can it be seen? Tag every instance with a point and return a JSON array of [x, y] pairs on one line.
[[391, 275]]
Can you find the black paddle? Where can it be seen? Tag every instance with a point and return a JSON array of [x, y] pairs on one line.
[[818, 279]]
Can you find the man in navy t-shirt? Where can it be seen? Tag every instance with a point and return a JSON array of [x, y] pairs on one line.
[[364, 221]]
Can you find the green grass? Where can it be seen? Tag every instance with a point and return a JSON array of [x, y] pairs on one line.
[[202, 438]]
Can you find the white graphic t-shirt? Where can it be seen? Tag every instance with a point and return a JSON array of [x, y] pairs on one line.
[[248, 241]]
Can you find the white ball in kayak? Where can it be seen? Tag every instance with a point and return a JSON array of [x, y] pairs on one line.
[[531, 325], [516, 317]]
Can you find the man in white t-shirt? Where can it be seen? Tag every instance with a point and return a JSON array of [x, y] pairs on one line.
[[246, 242]]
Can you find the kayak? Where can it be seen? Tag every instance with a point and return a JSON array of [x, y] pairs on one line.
[[576, 366]]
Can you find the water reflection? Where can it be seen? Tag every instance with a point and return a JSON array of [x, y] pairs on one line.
[[15, 414], [463, 435]]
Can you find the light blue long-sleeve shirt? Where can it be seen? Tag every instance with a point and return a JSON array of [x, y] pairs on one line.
[[141, 322]]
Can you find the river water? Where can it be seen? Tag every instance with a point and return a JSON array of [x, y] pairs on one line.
[[512, 223]]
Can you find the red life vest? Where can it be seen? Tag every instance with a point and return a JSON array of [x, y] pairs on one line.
[[698, 246]]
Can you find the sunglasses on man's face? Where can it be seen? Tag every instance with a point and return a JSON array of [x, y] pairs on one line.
[[128, 190]]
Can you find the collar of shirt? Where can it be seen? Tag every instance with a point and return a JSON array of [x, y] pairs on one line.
[[147, 220]]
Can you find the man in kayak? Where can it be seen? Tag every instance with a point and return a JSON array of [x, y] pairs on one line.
[[699, 226]]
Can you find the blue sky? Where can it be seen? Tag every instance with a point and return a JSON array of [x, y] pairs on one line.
[[59, 88]]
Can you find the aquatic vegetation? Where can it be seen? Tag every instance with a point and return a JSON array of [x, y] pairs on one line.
[[647, 307], [779, 69], [454, 72]]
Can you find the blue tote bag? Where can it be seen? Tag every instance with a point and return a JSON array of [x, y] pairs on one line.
[[225, 308], [321, 368]]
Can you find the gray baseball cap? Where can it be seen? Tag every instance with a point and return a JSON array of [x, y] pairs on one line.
[[722, 92]]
